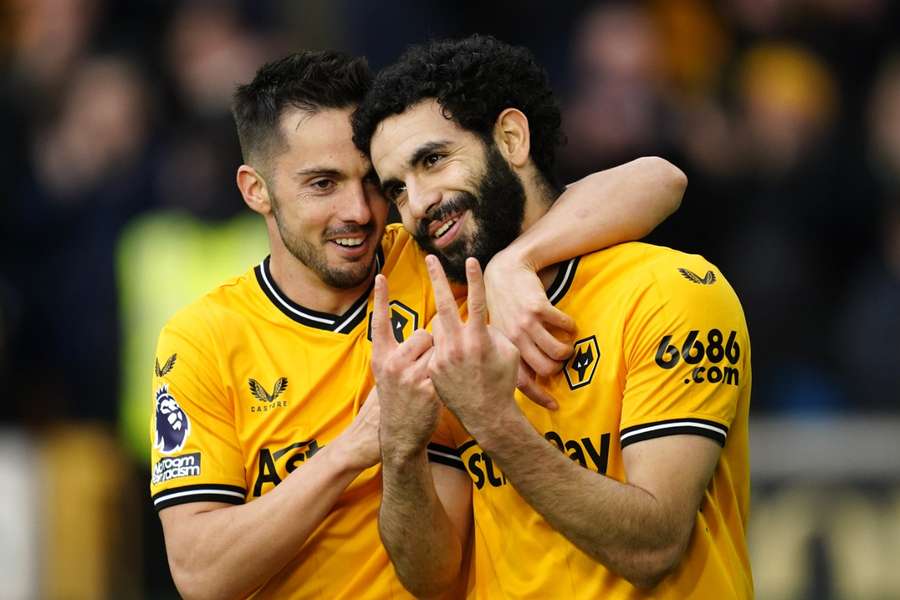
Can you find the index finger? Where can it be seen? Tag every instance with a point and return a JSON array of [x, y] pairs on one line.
[[477, 305], [447, 311], [381, 320], [532, 390], [552, 315]]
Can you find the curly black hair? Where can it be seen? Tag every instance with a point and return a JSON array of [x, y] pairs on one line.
[[473, 79], [307, 80]]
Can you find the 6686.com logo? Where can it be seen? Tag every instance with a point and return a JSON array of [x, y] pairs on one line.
[[695, 348]]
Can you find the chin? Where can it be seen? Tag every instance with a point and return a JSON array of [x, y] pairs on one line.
[[349, 276]]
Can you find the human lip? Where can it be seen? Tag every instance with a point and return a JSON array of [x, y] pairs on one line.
[[350, 245], [444, 232]]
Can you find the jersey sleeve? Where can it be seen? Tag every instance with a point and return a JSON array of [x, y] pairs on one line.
[[195, 452], [443, 446], [687, 355]]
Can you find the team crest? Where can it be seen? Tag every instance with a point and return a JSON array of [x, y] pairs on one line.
[[167, 366], [172, 424], [260, 393], [580, 368], [404, 321]]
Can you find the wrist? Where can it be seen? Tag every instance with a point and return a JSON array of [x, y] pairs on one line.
[[403, 459], [519, 254], [342, 455], [492, 430]]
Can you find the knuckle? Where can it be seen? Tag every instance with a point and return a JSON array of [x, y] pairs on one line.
[[560, 352], [522, 324], [535, 306]]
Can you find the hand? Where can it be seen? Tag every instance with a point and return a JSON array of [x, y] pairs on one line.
[[473, 366], [360, 439], [519, 308], [410, 406]]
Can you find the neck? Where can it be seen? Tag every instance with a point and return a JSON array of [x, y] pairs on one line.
[[539, 197], [303, 286]]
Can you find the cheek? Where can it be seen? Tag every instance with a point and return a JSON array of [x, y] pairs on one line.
[[380, 209], [406, 217]]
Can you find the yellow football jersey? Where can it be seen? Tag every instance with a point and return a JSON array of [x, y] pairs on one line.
[[662, 349], [248, 385]]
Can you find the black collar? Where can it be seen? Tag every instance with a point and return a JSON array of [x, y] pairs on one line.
[[563, 280], [344, 323]]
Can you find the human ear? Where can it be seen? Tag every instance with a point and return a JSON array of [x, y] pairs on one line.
[[512, 136], [254, 190]]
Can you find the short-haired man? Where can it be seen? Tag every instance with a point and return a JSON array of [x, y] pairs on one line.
[[638, 486]]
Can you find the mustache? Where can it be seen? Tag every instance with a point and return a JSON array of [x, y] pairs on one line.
[[349, 229], [457, 204]]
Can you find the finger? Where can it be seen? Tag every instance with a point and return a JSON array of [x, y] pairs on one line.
[[534, 392], [476, 296], [447, 311], [539, 362], [551, 347], [413, 347], [557, 318], [421, 366], [382, 336]]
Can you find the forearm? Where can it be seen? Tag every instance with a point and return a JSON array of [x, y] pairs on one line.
[[229, 552], [617, 205], [620, 525], [415, 529]]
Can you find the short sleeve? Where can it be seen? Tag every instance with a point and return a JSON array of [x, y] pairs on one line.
[[687, 355], [442, 448], [195, 453]]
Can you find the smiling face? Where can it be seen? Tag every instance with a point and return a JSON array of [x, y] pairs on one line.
[[455, 192], [326, 203]]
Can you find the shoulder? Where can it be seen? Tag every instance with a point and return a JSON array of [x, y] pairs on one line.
[[204, 315], [639, 267], [401, 251], [395, 238]]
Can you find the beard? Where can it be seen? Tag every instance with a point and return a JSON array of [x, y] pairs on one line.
[[497, 209], [350, 275]]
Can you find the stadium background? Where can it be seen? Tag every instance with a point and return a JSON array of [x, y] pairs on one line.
[[119, 206]]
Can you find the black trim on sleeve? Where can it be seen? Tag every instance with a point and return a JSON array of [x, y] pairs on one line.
[[465, 447], [690, 426], [201, 492], [445, 455]]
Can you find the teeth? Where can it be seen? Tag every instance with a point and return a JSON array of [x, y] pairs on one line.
[[443, 228], [351, 242]]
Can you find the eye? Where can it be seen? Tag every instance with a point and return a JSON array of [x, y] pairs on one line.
[[322, 185], [394, 191], [431, 160]]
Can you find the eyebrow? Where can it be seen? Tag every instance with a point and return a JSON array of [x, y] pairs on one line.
[[420, 153], [318, 171], [424, 150]]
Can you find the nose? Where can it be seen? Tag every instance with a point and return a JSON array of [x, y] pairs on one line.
[[355, 206], [421, 198]]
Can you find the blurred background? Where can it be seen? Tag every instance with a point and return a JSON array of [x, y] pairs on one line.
[[117, 161]]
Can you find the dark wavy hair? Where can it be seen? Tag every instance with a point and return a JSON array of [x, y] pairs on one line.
[[473, 79], [310, 81]]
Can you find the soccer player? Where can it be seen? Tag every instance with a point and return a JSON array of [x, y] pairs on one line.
[[265, 448], [638, 485]]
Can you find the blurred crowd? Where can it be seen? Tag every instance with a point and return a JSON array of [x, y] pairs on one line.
[[785, 114]]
